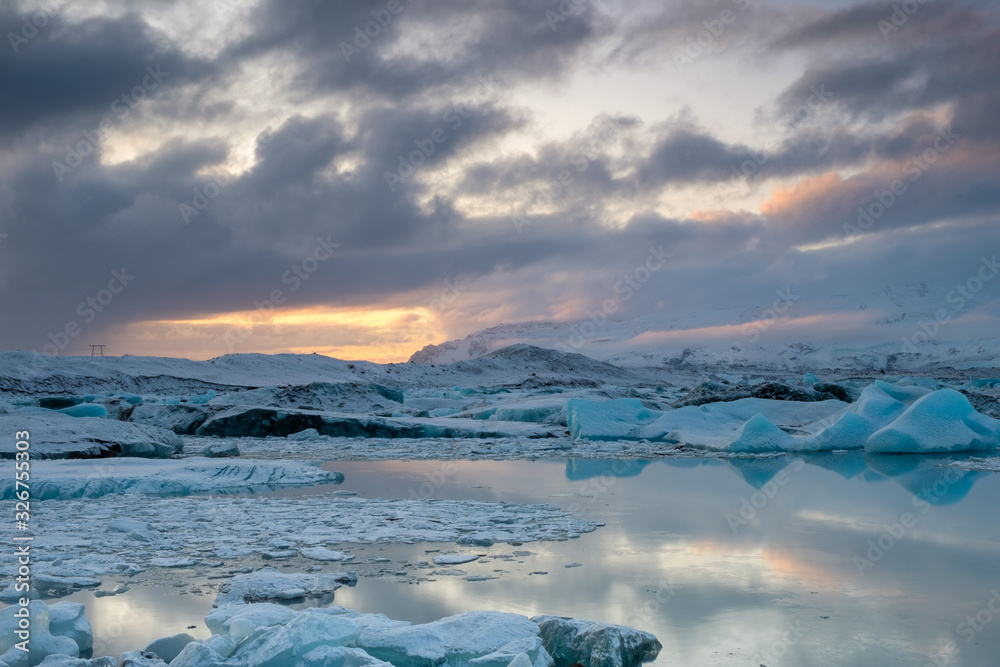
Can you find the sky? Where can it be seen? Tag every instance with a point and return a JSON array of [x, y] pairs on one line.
[[360, 179]]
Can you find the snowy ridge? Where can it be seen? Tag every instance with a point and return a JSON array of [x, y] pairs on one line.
[[907, 327]]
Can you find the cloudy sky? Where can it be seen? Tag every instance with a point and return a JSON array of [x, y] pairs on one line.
[[192, 178]]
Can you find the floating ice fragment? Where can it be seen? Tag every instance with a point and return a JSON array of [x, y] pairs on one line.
[[454, 559]]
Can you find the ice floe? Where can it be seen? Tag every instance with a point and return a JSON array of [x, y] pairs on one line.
[[225, 527], [56, 436], [67, 479]]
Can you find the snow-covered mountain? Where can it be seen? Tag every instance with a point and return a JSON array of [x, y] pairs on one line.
[[902, 327]]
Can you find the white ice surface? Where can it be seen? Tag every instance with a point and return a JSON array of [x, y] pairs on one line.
[[67, 479], [56, 435], [117, 535]]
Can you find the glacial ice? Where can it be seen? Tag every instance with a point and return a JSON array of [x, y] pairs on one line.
[[886, 418], [67, 479], [939, 422], [454, 559], [324, 554], [236, 526], [269, 584], [455, 640], [168, 648], [755, 436], [67, 634], [85, 410], [595, 644], [259, 615], [262, 634], [57, 436]]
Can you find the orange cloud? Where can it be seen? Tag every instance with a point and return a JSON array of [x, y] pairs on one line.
[[789, 202]]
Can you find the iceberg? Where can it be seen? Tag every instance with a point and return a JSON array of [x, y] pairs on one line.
[[455, 640], [168, 648], [593, 644], [269, 584], [68, 635], [619, 419], [939, 422], [59, 436], [85, 410], [67, 479]]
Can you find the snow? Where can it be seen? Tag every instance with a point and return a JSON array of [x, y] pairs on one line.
[[874, 323], [56, 435], [595, 644], [67, 479]]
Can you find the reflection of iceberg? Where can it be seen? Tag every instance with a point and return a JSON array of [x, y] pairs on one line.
[[924, 476], [846, 464], [759, 471], [691, 462], [586, 469]]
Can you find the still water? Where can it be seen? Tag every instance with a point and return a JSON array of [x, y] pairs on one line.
[[835, 559]]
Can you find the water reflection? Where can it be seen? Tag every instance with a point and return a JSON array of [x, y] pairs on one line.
[[820, 570]]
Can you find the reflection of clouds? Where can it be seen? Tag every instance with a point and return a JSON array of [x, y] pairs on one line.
[[131, 620], [668, 563]]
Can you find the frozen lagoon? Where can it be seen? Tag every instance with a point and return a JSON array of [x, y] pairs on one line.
[[785, 582]]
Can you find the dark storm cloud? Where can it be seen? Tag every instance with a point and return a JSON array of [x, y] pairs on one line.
[[69, 70], [511, 38], [353, 176]]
